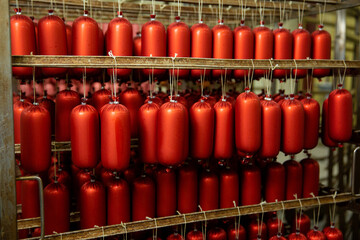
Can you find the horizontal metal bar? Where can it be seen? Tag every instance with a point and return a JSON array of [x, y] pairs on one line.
[[168, 62], [198, 217], [66, 146]]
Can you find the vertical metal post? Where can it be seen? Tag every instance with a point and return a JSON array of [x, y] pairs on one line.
[[340, 50], [340, 38], [7, 157]]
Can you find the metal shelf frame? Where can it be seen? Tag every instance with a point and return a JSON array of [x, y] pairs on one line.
[[179, 62], [201, 216]]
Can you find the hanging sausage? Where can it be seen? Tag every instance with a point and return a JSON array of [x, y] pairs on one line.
[[22, 31], [303, 221], [270, 128], [250, 184], [85, 41], [187, 189], [248, 122], [101, 98], [49, 105], [137, 44], [201, 46], [56, 208], [208, 190], [255, 227], [294, 174], [333, 233], [312, 118], [238, 233], [93, 205], [153, 43], [165, 192], [132, 99], [297, 236], [119, 31], [229, 188], [283, 44], [302, 48], [321, 49], [275, 182], [175, 236], [66, 100], [18, 108], [118, 201], [264, 39], [68, 30], [325, 138], [30, 199], [84, 122], [314, 234], [201, 130], [273, 226], [216, 234], [243, 47], [35, 137], [224, 130], [148, 118], [143, 198], [52, 41], [194, 235], [311, 172], [115, 137], [178, 37], [293, 126], [222, 45], [172, 131], [340, 115]]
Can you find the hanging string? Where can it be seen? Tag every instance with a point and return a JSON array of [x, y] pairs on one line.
[[237, 223], [261, 10], [242, 5], [84, 4], [34, 83], [152, 7], [64, 12], [262, 219], [114, 72], [281, 221], [84, 81], [342, 78], [221, 6], [32, 7], [251, 74], [17, 4], [301, 13], [200, 10], [202, 79], [179, 7], [91, 12], [332, 213], [322, 13], [282, 11], [51, 4], [203, 226], [119, 5], [223, 85]]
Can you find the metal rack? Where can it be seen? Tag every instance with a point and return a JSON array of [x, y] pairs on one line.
[[8, 220], [180, 219]]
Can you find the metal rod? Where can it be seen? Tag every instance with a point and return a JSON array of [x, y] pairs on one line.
[[353, 171], [167, 62], [197, 217], [41, 197], [66, 146]]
